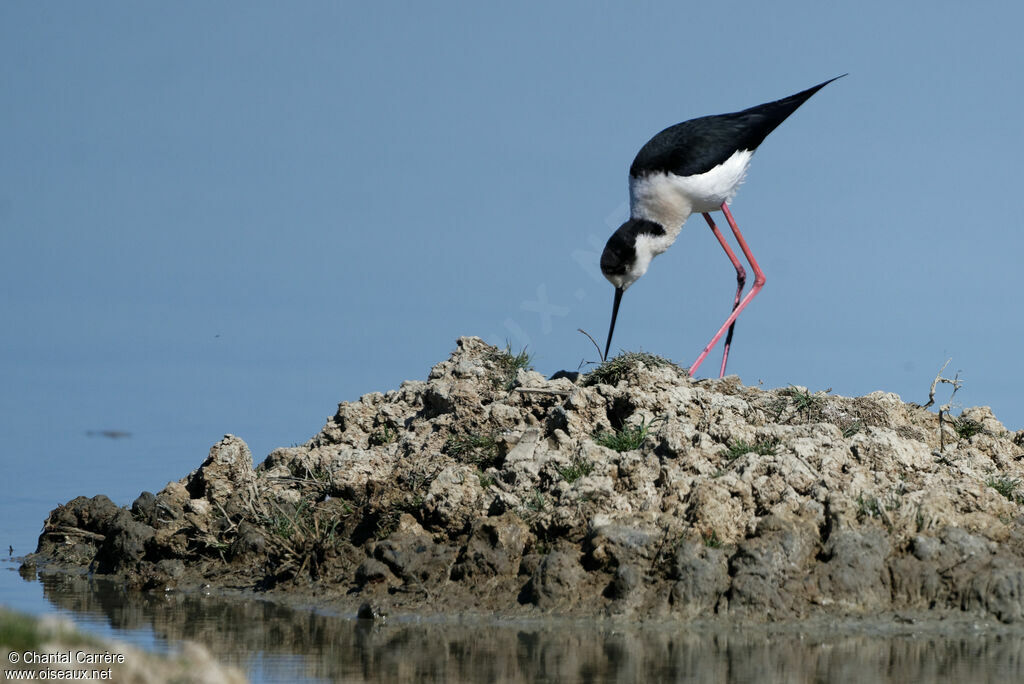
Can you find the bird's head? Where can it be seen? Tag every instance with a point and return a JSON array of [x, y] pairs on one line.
[[626, 257], [629, 251]]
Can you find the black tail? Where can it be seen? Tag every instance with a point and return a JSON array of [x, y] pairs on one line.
[[768, 116], [788, 105]]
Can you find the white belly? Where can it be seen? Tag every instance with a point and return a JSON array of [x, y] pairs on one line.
[[669, 199]]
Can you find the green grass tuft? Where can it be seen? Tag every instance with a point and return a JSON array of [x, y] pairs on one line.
[[852, 429], [868, 507], [629, 437], [872, 507], [384, 435], [580, 467], [966, 428], [302, 536], [507, 365], [537, 503], [801, 402], [617, 367], [18, 632], [476, 449], [762, 447], [1007, 486], [711, 540]]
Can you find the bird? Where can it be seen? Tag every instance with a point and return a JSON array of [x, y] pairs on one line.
[[695, 166]]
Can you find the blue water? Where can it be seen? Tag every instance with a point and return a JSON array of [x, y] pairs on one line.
[[44, 469], [271, 642]]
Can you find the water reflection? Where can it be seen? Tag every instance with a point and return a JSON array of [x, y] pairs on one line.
[[275, 642]]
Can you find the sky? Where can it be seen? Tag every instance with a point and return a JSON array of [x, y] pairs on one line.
[[228, 217]]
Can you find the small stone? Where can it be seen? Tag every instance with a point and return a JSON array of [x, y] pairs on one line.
[[369, 612], [371, 571]]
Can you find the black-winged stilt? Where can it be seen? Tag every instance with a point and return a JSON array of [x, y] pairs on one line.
[[694, 166]]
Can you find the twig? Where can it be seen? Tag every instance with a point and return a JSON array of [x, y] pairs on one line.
[[947, 407], [661, 547], [76, 532], [231, 524], [596, 345], [541, 390], [935, 382]]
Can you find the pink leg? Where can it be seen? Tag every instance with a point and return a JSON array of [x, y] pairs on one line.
[[759, 281], [741, 279]]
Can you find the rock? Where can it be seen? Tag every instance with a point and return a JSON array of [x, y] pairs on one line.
[[416, 559], [125, 544], [520, 462], [167, 573], [769, 567], [93, 514], [621, 542], [998, 591], [144, 508], [495, 547], [167, 511], [372, 571], [250, 544], [368, 611], [170, 542], [555, 583], [854, 570], [454, 496], [624, 584], [226, 470], [488, 488], [75, 532], [701, 579]]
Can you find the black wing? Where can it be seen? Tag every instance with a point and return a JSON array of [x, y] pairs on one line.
[[699, 145]]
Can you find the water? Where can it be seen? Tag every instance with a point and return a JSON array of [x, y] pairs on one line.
[[273, 642], [276, 642]]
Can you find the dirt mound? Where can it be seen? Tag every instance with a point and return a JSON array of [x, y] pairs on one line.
[[633, 491]]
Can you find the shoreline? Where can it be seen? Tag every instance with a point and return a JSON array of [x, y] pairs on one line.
[[633, 492], [821, 624]]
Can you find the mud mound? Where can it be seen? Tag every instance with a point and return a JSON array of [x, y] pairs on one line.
[[631, 491]]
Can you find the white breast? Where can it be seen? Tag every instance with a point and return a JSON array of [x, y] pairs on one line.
[[669, 199]]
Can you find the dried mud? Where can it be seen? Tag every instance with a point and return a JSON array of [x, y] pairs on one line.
[[490, 489]]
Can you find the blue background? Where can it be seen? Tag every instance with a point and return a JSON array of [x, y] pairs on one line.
[[228, 217]]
